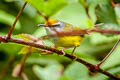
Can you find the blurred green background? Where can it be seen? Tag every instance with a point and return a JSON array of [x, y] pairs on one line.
[[82, 13]]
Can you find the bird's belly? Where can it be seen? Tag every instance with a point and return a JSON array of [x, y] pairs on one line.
[[69, 41]]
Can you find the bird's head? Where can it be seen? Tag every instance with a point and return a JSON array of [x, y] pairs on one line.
[[58, 25], [51, 22]]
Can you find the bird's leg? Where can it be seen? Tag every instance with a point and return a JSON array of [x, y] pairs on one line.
[[61, 49], [74, 50], [73, 53]]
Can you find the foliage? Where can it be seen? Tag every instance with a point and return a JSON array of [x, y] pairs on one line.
[[55, 67]]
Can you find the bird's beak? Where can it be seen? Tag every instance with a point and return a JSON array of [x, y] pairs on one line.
[[42, 25], [48, 25]]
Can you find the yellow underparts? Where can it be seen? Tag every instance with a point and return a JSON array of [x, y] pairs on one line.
[[69, 41]]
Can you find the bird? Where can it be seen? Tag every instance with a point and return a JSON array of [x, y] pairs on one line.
[[54, 26]]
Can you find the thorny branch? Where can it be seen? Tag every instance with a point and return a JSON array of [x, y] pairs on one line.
[[87, 64]]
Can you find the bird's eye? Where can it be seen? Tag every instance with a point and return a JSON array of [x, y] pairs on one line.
[[59, 24], [56, 25]]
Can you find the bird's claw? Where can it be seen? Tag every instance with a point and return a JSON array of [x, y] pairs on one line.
[[63, 52]]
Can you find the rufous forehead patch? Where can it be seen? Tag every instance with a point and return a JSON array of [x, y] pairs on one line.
[[51, 22]]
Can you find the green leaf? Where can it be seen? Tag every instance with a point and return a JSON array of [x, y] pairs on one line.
[[52, 6], [25, 49], [72, 1], [10, 0], [51, 72], [8, 19], [46, 59], [106, 13], [74, 14], [89, 2], [41, 31], [48, 7], [64, 78], [6, 47], [29, 10], [91, 5], [91, 12], [82, 2], [76, 71], [117, 11], [27, 37], [98, 39], [38, 4], [2, 34], [42, 60], [91, 9]]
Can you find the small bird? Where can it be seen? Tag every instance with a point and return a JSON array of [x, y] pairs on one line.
[[54, 26]]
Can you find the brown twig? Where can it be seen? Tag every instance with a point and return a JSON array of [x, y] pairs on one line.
[[24, 59], [18, 16], [7, 67], [113, 4], [114, 47], [87, 64], [18, 70], [83, 32], [21, 73], [105, 31], [45, 17]]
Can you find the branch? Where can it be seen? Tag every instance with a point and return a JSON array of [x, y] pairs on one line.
[[7, 67], [24, 59], [82, 32], [114, 47], [45, 17], [90, 66], [18, 16], [18, 69], [113, 4]]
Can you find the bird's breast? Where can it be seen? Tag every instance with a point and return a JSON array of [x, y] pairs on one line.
[[69, 41]]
